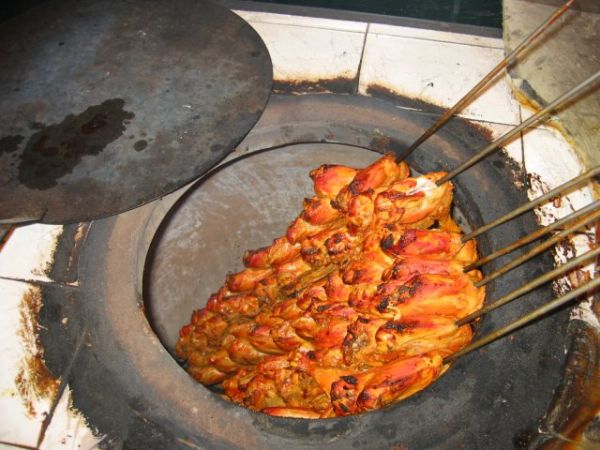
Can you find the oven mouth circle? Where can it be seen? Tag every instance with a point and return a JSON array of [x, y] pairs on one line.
[[127, 363], [243, 204]]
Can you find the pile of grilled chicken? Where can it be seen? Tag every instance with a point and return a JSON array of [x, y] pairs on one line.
[[353, 309]]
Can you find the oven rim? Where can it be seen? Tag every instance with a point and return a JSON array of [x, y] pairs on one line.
[[141, 224]]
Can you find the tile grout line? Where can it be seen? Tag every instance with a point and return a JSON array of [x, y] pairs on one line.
[[40, 283], [437, 40], [360, 61]]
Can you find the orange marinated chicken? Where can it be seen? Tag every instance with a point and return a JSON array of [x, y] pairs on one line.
[[352, 310]]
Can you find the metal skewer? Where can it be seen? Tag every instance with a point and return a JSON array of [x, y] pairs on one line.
[[576, 220], [535, 235], [508, 60], [560, 270], [533, 120], [535, 314], [539, 248], [563, 188]]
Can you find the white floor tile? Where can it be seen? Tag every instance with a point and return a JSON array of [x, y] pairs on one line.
[[551, 162], [29, 252], [439, 73], [20, 424], [436, 35], [306, 53], [549, 154], [302, 21]]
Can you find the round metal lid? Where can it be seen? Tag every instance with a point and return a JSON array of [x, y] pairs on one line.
[[107, 105]]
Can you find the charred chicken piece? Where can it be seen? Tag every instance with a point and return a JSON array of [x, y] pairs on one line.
[[352, 310]]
